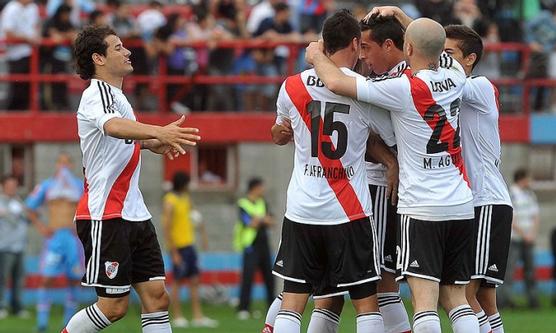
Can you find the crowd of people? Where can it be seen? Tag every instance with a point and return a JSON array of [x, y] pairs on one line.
[[161, 33]]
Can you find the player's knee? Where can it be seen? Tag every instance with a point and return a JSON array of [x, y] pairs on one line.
[[114, 308], [158, 300], [334, 304], [452, 296], [487, 299]]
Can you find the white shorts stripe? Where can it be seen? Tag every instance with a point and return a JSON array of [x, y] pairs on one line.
[[487, 239], [406, 243], [383, 220], [376, 259]]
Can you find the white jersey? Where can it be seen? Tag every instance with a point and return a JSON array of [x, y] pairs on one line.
[[481, 142], [328, 184], [376, 172], [425, 114], [111, 165]]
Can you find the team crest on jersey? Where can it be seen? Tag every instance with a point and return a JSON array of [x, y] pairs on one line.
[[111, 269]]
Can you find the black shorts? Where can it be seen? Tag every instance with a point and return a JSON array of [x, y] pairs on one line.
[[386, 218], [119, 253], [435, 250], [189, 263], [327, 257], [491, 242]]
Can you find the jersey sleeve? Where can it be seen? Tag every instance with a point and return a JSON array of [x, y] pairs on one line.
[[381, 124], [481, 93], [9, 19], [282, 109], [391, 94], [446, 61], [35, 200], [98, 108]]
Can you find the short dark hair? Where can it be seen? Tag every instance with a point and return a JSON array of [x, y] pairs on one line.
[[520, 174], [281, 6], [469, 41], [90, 41], [383, 28], [253, 182], [180, 181], [339, 30]]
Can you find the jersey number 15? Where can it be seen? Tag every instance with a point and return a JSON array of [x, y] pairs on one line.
[[328, 127]]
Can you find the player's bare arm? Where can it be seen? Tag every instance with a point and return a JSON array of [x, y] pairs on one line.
[[41, 227], [390, 11], [379, 152], [333, 78], [171, 135], [282, 133]]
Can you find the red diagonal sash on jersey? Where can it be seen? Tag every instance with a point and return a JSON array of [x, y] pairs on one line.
[[118, 193], [82, 210], [422, 98], [496, 97], [342, 188]]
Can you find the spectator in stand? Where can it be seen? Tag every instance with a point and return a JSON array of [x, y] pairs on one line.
[[230, 16], [439, 10], [20, 20], [261, 11], [540, 34], [126, 26], [467, 12], [13, 241], [489, 65], [180, 220], [150, 20], [180, 60], [313, 13], [56, 59], [525, 227], [98, 18], [78, 7]]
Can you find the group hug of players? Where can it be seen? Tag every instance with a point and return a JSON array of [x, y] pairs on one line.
[[417, 115]]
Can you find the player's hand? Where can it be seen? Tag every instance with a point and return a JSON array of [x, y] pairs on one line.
[[45, 230], [382, 11], [286, 129], [176, 137], [313, 50], [176, 258], [392, 177]]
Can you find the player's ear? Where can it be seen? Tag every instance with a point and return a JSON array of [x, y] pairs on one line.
[[470, 59], [98, 59], [355, 43]]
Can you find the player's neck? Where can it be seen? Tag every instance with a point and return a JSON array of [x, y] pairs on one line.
[[113, 81], [396, 60], [342, 58], [419, 64]]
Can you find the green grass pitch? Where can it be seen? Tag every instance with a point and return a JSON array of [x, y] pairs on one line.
[[515, 321]]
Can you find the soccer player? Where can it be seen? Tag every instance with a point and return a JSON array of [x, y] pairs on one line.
[[179, 222], [113, 223], [493, 207], [62, 253], [435, 200], [328, 237], [382, 50]]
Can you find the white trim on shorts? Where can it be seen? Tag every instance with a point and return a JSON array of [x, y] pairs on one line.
[[157, 278], [487, 278], [386, 269], [356, 283], [93, 265], [99, 285], [339, 293], [483, 240], [422, 276], [288, 278], [380, 213], [462, 282]]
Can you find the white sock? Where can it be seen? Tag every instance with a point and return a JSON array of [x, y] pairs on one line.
[[323, 321], [483, 322], [287, 322], [394, 313], [496, 323], [426, 322], [370, 322], [156, 322], [271, 314], [464, 320], [88, 320]]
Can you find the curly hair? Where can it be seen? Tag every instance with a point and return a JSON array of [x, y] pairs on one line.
[[90, 41]]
